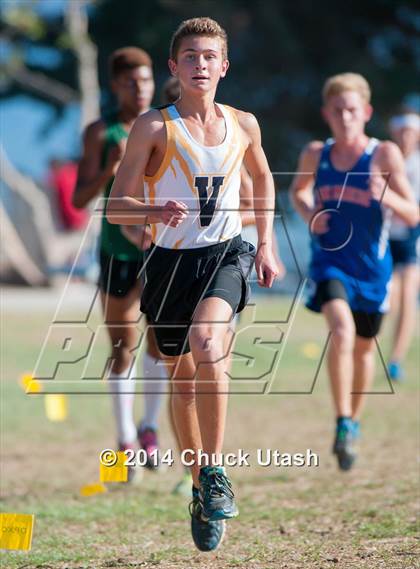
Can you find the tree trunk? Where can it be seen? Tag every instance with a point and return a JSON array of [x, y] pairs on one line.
[[86, 53]]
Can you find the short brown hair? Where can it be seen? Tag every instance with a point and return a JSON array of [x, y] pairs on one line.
[[198, 27], [128, 58], [337, 84]]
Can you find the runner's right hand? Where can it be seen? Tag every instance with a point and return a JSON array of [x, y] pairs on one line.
[[173, 213]]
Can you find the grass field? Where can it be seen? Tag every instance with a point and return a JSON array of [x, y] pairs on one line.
[[290, 518]]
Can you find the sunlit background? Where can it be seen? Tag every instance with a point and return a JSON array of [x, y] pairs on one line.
[[53, 56]]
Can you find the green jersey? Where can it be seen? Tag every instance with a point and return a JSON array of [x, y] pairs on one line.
[[112, 241]]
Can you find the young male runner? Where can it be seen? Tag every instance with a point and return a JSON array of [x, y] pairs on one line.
[[405, 131], [190, 155], [170, 94], [351, 264], [121, 249]]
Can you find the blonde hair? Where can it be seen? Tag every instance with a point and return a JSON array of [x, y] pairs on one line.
[[337, 84], [198, 27]]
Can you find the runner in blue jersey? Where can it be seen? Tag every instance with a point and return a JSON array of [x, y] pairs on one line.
[[359, 182], [355, 249]]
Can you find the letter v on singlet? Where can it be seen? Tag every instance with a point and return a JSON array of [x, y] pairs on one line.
[[208, 203]]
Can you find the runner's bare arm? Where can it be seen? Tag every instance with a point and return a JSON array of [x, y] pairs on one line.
[[248, 216], [262, 179], [246, 199], [398, 195], [256, 163], [302, 184], [126, 205], [91, 176]]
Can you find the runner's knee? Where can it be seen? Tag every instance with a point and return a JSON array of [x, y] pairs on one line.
[[343, 336], [207, 342]]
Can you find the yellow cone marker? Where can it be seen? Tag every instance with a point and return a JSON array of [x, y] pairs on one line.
[[92, 489], [117, 472], [16, 531], [56, 407], [29, 384], [311, 350]]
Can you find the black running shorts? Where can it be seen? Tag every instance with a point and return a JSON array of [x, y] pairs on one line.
[[177, 280], [404, 251], [367, 324]]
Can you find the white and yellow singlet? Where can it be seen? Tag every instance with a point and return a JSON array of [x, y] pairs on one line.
[[206, 178]]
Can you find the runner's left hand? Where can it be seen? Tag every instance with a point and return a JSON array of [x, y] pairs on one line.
[[266, 266]]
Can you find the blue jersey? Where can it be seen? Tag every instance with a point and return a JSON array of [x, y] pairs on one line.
[[355, 248]]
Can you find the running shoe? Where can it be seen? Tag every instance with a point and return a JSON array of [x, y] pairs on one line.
[[395, 370], [216, 495], [356, 430], [149, 442], [206, 535], [343, 444]]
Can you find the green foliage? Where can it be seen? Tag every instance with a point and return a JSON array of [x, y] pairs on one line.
[[24, 19]]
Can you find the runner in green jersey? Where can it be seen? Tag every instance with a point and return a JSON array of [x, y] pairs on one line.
[[121, 251]]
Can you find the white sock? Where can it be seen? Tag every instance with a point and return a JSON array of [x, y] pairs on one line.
[[155, 379], [122, 390]]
